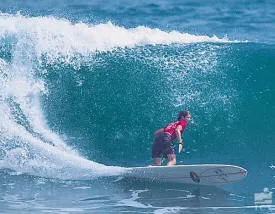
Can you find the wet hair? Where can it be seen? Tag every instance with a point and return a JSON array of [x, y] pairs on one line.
[[183, 113]]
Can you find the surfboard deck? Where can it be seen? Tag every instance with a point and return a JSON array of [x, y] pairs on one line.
[[200, 174]]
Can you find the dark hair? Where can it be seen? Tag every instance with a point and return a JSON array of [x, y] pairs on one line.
[[183, 113]]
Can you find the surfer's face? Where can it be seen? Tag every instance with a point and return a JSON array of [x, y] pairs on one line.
[[187, 118]]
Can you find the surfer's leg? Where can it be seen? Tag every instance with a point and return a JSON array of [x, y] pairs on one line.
[[170, 154], [157, 162], [157, 150], [172, 160]]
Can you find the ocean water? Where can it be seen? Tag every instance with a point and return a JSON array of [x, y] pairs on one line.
[[84, 85]]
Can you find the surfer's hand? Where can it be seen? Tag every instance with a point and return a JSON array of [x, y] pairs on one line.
[[180, 147]]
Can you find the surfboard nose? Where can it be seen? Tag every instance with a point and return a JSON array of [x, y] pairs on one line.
[[243, 171]]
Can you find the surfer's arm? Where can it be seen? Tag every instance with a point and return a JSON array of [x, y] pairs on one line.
[[158, 131], [178, 135]]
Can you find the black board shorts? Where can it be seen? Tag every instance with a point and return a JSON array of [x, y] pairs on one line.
[[163, 146]]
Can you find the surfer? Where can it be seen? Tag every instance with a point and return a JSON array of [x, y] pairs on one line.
[[163, 145]]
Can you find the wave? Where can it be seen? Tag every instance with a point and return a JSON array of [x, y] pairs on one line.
[[27, 144]]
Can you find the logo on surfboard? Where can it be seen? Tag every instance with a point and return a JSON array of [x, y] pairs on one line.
[[195, 177]]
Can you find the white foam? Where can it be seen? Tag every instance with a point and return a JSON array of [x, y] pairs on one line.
[[59, 37], [167, 210], [35, 157], [41, 159], [132, 202]]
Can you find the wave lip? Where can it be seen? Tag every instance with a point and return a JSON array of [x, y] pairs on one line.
[[61, 37]]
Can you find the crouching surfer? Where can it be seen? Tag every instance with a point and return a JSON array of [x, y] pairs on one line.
[[163, 145]]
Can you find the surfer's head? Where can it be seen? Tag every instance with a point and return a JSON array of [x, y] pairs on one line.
[[184, 115]]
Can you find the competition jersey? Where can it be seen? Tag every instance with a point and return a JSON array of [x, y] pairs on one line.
[[170, 128]]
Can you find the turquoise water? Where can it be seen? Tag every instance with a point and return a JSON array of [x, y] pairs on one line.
[[83, 87]]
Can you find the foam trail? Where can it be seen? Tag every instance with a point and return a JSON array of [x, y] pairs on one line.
[[28, 154], [47, 161]]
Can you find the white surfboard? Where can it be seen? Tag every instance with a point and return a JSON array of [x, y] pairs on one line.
[[202, 174]]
